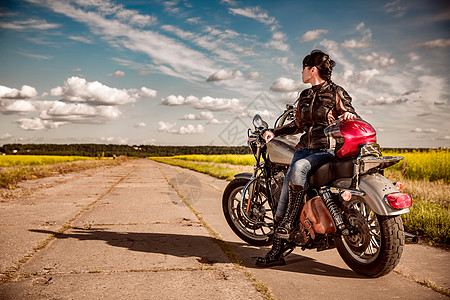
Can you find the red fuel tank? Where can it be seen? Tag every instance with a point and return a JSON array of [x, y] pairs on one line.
[[349, 135]]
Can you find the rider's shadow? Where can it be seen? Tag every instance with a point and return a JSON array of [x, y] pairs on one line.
[[205, 249]]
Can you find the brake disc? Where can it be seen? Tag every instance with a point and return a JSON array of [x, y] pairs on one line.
[[359, 240]]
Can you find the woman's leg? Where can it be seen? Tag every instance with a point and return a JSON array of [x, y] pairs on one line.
[[298, 181], [275, 255], [284, 196]]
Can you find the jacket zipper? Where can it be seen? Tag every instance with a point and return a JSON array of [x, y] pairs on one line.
[[312, 121]]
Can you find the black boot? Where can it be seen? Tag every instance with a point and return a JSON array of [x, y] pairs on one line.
[[294, 204], [276, 222], [274, 257]]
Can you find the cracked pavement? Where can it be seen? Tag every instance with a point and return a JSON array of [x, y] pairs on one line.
[[151, 231]]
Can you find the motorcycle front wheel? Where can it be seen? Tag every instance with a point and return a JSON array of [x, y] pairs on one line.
[[248, 228], [376, 244]]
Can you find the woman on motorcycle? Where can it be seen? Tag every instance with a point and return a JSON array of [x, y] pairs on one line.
[[317, 107]]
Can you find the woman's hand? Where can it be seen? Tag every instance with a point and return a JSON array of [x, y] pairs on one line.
[[347, 116], [268, 136]]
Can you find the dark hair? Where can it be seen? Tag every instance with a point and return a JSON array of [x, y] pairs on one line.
[[322, 62]]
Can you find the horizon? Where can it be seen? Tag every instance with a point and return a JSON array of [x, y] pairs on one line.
[[193, 73]]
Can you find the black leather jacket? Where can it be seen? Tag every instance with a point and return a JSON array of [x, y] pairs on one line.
[[317, 107]]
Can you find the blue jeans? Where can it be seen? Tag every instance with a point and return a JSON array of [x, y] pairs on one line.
[[302, 162]]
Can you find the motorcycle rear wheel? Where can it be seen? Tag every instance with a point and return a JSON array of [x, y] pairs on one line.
[[257, 235], [377, 247]]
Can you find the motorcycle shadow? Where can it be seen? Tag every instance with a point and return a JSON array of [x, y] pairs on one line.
[[205, 249], [295, 263]]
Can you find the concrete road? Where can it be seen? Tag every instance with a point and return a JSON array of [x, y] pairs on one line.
[[125, 232]]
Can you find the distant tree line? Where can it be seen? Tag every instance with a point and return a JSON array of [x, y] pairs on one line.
[[102, 150]]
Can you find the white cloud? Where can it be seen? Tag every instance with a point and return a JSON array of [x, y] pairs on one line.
[[81, 39], [204, 115], [425, 130], [26, 92], [225, 75], [283, 84], [224, 44], [166, 126], [229, 2], [37, 24], [382, 60], [396, 7], [278, 41], [171, 128], [254, 76], [283, 61], [81, 102], [140, 125], [114, 140], [217, 122], [116, 74], [435, 44], [386, 101], [173, 100], [255, 13], [19, 107], [207, 102], [168, 55], [191, 129], [194, 20], [76, 89], [5, 137], [146, 92], [80, 113], [367, 75], [35, 124], [143, 73], [35, 56], [365, 41], [356, 44], [312, 35]]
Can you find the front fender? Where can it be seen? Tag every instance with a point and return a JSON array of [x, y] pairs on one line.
[[246, 175], [375, 186]]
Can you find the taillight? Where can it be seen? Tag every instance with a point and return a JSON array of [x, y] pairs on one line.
[[399, 200]]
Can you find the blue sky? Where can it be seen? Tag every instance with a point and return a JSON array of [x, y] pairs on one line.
[[185, 72]]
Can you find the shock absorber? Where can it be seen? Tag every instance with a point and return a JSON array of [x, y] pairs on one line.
[[334, 211]]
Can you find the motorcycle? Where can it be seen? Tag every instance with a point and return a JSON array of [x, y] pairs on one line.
[[348, 205]]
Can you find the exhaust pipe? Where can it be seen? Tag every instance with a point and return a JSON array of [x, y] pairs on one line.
[[411, 238]]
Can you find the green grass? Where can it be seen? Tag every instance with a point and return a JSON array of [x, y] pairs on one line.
[[218, 171], [429, 215], [232, 159]]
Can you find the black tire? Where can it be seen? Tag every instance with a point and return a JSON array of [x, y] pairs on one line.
[[256, 235], [382, 235]]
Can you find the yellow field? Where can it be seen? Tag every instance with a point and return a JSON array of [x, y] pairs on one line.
[[432, 164], [36, 160]]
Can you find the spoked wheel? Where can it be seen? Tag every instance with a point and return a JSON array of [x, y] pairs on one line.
[[256, 225], [375, 244]]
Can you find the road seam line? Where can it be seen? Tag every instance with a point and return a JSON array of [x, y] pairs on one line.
[[224, 246], [11, 273]]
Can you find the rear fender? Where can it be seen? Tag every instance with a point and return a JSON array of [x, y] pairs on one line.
[[375, 186]]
